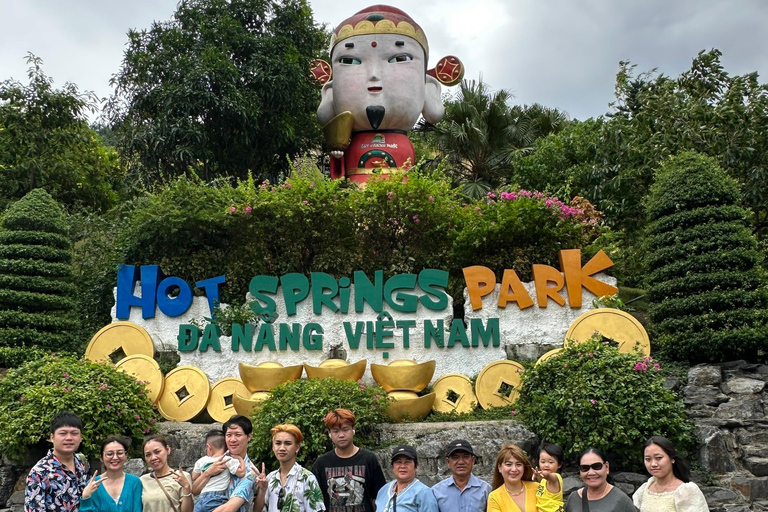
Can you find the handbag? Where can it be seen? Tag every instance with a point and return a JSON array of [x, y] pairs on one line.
[[170, 501]]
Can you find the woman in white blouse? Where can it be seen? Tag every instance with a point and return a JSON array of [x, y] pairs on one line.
[[670, 488]]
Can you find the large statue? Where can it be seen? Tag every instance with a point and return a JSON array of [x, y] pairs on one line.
[[375, 90]]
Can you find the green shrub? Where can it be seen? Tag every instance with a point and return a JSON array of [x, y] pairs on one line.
[[592, 395], [13, 357], [706, 289], [305, 402], [37, 307], [107, 400]]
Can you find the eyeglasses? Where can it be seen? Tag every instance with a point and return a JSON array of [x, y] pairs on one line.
[[280, 498], [597, 466], [118, 453]]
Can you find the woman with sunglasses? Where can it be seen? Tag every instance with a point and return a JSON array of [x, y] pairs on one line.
[[164, 489], [598, 495], [514, 488], [291, 488], [113, 490], [670, 487]]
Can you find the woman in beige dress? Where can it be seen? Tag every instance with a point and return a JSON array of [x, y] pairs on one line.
[[164, 489]]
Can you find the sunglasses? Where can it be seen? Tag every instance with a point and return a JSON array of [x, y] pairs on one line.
[[280, 498], [597, 466]]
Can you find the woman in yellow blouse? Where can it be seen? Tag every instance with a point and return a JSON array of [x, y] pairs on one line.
[[513, 489]]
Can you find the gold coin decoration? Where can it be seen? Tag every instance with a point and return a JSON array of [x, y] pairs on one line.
[[332, 368], [454, 392], [548, 355], [403, 375], [498, 384], [246, 403], [611, 323], [267, 376], [118, 340], [414, 409], [403, 395], [221, 405], [185, 394], [144, 369]]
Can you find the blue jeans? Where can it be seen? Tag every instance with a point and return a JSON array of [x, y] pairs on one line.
[[208, 501]]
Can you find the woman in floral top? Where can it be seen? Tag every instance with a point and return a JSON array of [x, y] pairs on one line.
[[290, 488]]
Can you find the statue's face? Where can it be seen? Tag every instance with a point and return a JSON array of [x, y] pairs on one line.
[[379, 70]]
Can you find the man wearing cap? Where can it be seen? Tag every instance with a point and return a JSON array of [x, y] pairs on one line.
[[462, 491], [405, 493]]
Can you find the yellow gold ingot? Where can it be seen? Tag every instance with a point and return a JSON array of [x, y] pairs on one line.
[[498, 384], [548, 355], [332, 369], [246, 406], [144, 369], [454, 392], [269, 375], [403, 395], [403, 375], [185, 394], [119, 338], [414, 409], [338, 131], [221, 405], [611, 323]]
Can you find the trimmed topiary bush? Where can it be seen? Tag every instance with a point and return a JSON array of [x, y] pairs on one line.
[[107, 400], [36, 290], [304, 403], [706, 289], [591, 395]]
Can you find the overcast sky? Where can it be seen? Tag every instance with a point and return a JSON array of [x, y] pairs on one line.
[[560, 53]]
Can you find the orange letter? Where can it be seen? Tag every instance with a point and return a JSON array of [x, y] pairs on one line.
[[512, 290], [480, 282], [576, 276], [542, 275]]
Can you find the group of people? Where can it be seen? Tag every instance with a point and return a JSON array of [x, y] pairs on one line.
[[346, 479]]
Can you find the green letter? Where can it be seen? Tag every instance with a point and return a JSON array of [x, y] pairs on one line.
[[458, 333], [295, 289], [428, 279], [242, 335], [321, 282], [210, 338], [261, 284], [401, 282], [353, 339], [434, 333], [266, 338], [313, 341], [406, 325], [290, 336], [187, 338], [365, 291], [485, 335]]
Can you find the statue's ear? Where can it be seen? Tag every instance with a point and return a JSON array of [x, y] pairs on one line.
[[433, 104], [327, 110]]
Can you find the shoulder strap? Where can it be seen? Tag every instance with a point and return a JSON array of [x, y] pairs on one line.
[[584, 501], [165, 492]]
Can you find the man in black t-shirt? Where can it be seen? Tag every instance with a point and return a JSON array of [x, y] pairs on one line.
[[349, 476]]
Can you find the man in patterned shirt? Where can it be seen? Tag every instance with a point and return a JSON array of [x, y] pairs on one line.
[[58, 479]]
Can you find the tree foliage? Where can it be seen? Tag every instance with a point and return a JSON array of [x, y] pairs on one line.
[[707, 291], [36, 290], [45, 143], [481, 134], [221, 89]]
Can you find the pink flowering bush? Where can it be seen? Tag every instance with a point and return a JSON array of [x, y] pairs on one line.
[[305, 402], [107, 400], [590, 394]]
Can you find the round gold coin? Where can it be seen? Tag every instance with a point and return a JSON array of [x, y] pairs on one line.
[[615, 324], [453, 392], [118, 340], [185, 394], [144, 369], [498, 384], [221, 404], [548, 355]]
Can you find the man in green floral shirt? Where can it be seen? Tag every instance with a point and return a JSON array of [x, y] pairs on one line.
[[290, 488]]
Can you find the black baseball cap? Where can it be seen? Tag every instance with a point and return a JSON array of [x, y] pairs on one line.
[[406, 450], [459, 445]]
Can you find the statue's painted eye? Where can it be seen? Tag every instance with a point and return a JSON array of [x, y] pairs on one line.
[[401, 57], [349, 60]]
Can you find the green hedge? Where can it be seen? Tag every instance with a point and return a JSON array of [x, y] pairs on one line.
[[706, 290], [34, 238]]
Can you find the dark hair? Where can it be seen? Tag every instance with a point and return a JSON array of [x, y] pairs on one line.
[[241, 421], [679, 467], [600, 453], [158, 438], [66, 419], [553, 450], [215, 438], [124, 441]]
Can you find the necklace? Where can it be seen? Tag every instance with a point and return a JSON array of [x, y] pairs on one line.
[[605, 491], [518, 493]]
